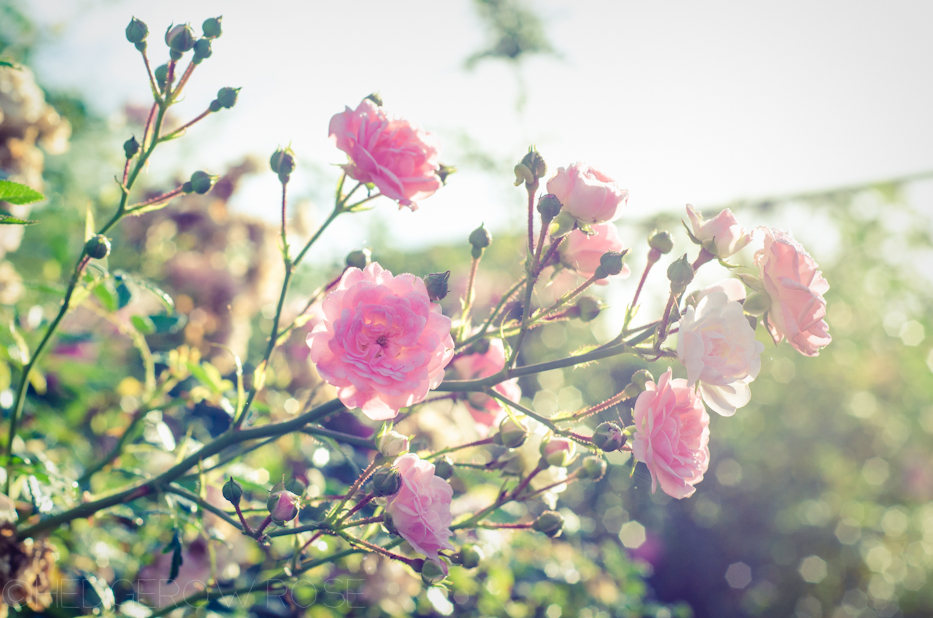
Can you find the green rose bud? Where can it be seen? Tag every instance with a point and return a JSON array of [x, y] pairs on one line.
[[661, 241], [375, 98], [211, 27], [161, 75], [443, 467], [282, 163], [588, 308], [534, 163], [594, 468], [468, 557], [233, 492], [202, 50], [511, 434], [610, 263], [137, 31], [608, 436], [226, 99], [757, 303], [131, 147], [432, 574], [480, 238], [98, 247], [444, 171], [680, 273], [386, 482], [550, 523], [549, 207], [202, 182], [557, 451], [359, 258], [436, 283], [392, 444], [179, 39]]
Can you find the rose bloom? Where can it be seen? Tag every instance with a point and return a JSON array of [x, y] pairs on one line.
[[796, 287], [381, 341], [672, 435], [394, 154], [717, 345], [421, 509], [722, 235], [587, 194], [581, 253], [486, 411]]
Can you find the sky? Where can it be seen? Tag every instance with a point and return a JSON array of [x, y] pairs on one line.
[[678, 102]]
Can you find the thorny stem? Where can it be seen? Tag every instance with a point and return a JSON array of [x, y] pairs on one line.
[[492, 316], [177, 132], [468, 299], [155, 200], [353, 489]]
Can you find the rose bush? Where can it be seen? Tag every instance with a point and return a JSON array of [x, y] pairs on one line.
[[796, 286], [672, 435], [381, 342], [397, 156]]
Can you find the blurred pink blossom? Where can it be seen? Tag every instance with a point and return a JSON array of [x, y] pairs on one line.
[[581, 253], [587, 194], [486, 411]]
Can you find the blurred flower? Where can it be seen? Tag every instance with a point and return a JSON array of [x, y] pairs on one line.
[[11, 283], [587, 194], [421, 509], [796, 287], [722, 235], [672, 435], [486, 411], [382, 342], [26, 570], [581, 252], [718, 347], [394, 154]]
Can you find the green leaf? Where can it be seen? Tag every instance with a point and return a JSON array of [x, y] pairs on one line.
[[167, 323], [107, 296], [15, 193], [6, 219], [167, 301], [143, 324], [5, 62]]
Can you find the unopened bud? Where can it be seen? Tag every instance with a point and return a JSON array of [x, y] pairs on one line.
[[468, 557], [131, 147], [283, 507], [608, 436], [534, 163], [610, 263], [757, 303], [436, 283], [523, 175], [511, 434], [444, 467], [226, 98], [386, 482], [432, 573], [375, 98], [98, 246], [511, 464], [137, 31], [392, 444], [641, 378], [161, 75], [282, 163], [359, 258], [179, 39], [549, 207], [557, 451], [201, 182], [661, 241], [680, 273], [593, 468], [202, 50], [550, 523], [233, 492], [444, 171], [480, 238], [212, 27], [588, 308]]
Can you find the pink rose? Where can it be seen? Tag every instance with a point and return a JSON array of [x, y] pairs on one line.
[[672, 435], [722, 235], [796, 287], [395, 155], [381, 341], [587, 194], [581, 252], [421, 509], [717, 345], [486, 411]]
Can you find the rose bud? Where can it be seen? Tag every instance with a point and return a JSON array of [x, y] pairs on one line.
[[283, 507], [511, 464], [392, 444], [588, 308], [680, 273], [226, 98], [638, 383], [98, 246], [558, 451], [611, 263], [480, 238], [757, 303], [131, 147], [202, 182], [386, 482], [443, 171], [211, 27], [534, 163], [468, 557], [136, 32], [359, 258], [608, 436], [443, 467], [549, 207], [432, 573], [282, 163], [375, 98], [179, 39], [161, 75], [233, 492], [202, 50], [661, 241], [511, 434], [593, 468], [550, 523], [436, 283]]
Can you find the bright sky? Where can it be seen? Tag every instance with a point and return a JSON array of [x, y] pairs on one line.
[[680, 102]]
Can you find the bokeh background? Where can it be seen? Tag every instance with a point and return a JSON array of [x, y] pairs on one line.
[[819, 500]]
